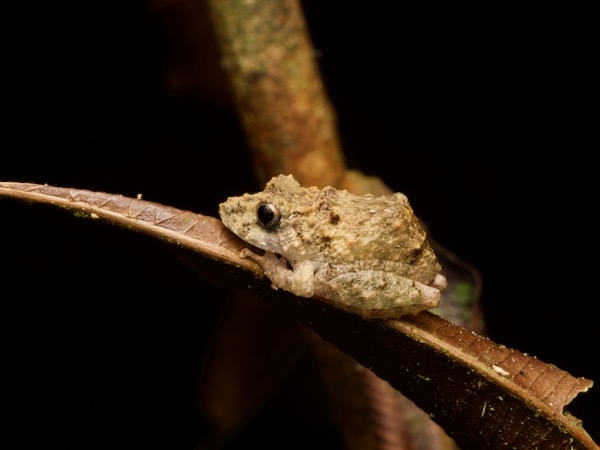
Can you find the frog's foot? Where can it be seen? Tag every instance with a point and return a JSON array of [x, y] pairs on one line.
[[247, 253], [440, 282]]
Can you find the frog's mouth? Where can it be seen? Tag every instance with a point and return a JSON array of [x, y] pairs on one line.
[[265, 240]]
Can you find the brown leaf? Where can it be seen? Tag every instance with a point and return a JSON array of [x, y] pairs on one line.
[[485, 395]]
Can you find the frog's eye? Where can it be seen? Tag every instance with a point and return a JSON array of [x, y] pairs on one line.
[[268, 215]]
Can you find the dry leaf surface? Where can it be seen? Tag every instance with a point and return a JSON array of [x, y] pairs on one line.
[[484, 394]]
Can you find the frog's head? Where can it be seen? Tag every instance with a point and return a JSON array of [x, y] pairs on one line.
[[261, 219], [253, 220]]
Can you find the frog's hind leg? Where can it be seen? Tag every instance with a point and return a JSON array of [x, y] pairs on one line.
[[378, 294]]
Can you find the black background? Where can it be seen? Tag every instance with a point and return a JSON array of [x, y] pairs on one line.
[[480, 116]]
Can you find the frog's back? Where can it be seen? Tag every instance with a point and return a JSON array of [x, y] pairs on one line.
[[366, 227]]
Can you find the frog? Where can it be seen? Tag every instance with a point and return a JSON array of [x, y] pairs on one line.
[[365, 254]]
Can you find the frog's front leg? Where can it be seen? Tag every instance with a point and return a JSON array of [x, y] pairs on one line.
[[299, 280]]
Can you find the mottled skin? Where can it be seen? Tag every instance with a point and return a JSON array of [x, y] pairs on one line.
[[364, 254]]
